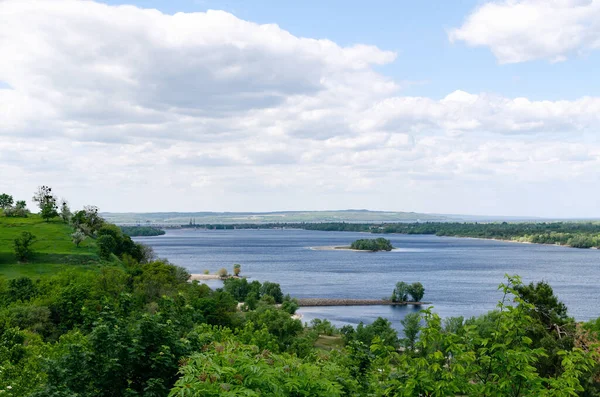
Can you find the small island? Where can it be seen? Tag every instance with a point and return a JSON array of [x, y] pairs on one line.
[[373, 245]]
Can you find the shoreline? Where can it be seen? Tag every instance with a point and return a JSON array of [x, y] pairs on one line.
[[308, 302], [342, 248], [200, 277]]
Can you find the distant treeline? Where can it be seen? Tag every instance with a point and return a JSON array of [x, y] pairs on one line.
[[573, 234], [138, 231]]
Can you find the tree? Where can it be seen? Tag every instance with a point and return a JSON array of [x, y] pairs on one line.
[[78, 237], [222, 272], [6, 201], [400, 293], [65, 211], [46, 202], [49, 211], [22, 246], [236, 269], [411, 323], [106, 245], [417, 291], [18, 211], [272, 289], [87, 220]]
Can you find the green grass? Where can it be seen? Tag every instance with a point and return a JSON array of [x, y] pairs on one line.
[[325, 342], [53, 249]]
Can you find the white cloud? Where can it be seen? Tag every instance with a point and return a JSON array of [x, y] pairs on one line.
[[133, 109], [525, 30]]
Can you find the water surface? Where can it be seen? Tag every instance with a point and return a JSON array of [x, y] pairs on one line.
[[460, 276]]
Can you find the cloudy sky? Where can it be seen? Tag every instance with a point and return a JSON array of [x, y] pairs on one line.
[[467, 106]]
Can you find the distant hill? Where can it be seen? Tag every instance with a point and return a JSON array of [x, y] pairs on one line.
[[357, 216]]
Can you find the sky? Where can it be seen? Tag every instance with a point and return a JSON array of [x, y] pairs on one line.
[[463, 107]]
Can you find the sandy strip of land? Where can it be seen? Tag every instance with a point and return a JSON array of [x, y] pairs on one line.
[[333, 248], [351, 302], [201, 277]]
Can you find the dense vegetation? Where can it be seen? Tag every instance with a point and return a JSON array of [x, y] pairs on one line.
[[377, 244], [138, 231], [133, 325], [572, 234]]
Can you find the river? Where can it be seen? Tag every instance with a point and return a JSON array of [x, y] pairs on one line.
[[460, 275]]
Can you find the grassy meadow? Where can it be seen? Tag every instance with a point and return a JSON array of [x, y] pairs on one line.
[[53, 249]]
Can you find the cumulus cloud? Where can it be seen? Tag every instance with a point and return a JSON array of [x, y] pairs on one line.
[[525, 30], [133, 109]]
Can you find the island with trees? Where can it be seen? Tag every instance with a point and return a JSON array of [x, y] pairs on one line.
[[373, 245]]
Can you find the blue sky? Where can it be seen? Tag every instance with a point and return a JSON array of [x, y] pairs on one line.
[[473, 107]]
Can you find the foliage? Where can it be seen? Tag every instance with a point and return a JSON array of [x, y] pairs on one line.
[[235, 369], [22, 246], [411, 326], [18, 211], [78, 237], [400, 293], [47, 202], [65, 211], [6, 201], [416, 291], [136, 231], [272, 289], [237, 268], [378, 244], [87, 220], [222, 272], [402, 290], [107, 245]]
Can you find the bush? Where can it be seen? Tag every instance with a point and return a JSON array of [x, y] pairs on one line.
[[22, 246], [222, 272], [106, 245]]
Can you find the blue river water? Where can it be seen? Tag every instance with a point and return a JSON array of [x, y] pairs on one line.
[[460, 276]]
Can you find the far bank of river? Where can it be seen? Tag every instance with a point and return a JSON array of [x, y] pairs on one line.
[[460, 275]]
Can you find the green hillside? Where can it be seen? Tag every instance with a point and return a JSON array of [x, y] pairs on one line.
[[53, 248]]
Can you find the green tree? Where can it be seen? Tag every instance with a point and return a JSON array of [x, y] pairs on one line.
[[236, 269], [400, 293], [65, 211], [222, 272], [22, 246], [49, 211], [272, 289], [107, 245], [78, 237], [6, 201], [47, 202], [411, 324], [416, 291]]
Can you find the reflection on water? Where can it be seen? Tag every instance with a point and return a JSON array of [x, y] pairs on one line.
[[460, 276]]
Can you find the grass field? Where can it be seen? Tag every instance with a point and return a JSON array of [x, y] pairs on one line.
[[53, 249]]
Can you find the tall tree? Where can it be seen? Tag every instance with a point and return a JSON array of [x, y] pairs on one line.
[[5, 201], [47, 202]]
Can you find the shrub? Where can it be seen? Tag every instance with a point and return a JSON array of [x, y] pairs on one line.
[[22, 246]]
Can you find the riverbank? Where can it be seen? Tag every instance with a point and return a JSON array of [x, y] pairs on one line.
[[303, 302], [200, 277]]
